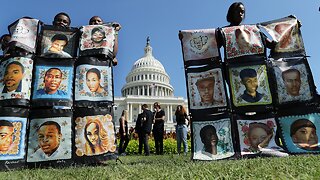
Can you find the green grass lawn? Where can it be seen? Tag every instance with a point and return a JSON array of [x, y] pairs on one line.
[[180, 167]]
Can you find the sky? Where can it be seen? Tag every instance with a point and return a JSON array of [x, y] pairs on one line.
[[162, 20]]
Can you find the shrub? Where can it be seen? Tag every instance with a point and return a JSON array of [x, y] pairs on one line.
[[169, 146]]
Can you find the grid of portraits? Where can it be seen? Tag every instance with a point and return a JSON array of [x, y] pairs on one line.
[[300, 132], [286, 33], [96, 37], [49, 139], [24, 33], [94, 135], [212, 139], [242, 40], [16, 75], [206, 89], [292, 83], [58, 44], [255, 135], [93, 83], [199, 44], [12, 137], [53, 82], [249, 85]]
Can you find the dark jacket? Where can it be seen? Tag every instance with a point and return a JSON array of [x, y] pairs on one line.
[[138, 123], [146, 118]]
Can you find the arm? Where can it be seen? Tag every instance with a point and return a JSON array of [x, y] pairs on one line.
[[117, 28], [122, 125], [162, 118]]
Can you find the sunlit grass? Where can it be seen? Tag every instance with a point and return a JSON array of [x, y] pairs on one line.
[[181, 167]]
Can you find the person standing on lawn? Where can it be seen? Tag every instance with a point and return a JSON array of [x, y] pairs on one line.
[[143, 128], [158, 128], [182, 129]]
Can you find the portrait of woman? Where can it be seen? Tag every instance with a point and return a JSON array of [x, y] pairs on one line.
[[96, 138], [93, 80], [94, 135]]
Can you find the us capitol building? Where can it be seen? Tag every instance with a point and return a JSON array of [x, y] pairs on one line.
[[146, 83]]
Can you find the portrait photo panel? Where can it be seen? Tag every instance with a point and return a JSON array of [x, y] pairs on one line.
[[206, 88], [13, 127], [53, 82], [300, 132], [256, 136], [242, 40], [285, 31], [24, 33], [212, 140], [199, 46], [95, 136], [58, 42], [50, 136], [97, 40], [249, 85], [294, 81], [16, 77], [93, 83]]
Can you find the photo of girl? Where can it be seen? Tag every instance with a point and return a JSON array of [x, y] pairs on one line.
[[96, 37], [256, 136], [94, 135], [93, 83]]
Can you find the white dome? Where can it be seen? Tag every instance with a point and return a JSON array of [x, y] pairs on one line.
[[147, 77], [148, 60]]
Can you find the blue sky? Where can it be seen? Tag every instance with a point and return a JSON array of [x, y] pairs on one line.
[[162, 20]]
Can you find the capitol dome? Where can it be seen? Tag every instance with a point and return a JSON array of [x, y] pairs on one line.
[[147, 77]]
